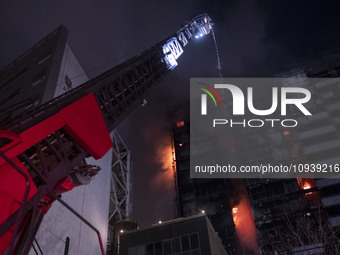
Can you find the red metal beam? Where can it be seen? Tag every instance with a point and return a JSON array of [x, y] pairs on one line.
[[81, 120]]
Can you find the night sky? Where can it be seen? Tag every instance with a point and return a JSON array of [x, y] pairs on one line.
[[255, 39]]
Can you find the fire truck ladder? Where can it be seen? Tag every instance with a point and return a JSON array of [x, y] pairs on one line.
[[50, 142]]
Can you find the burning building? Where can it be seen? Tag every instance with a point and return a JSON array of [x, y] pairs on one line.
[[193, 196], [269, 208], [244, 220], [310, 205]]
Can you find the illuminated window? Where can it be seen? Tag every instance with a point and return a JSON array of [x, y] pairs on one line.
[[180, 124]]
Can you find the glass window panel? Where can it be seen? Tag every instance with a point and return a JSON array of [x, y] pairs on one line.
[[158, 248], [185, 243], [195, 252], [176, 245], [194, 241], [149, 249], [132, 251], [141, 250], [167, 249]]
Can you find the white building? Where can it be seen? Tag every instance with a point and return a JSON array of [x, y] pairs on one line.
[[45, 71]]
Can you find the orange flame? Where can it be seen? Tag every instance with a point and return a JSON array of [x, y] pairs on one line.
[[165, 157], [305, 184], [235, 212], [164, 179], [244, 224]]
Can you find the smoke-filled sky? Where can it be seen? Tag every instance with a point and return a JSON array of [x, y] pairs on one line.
[[254, 38]]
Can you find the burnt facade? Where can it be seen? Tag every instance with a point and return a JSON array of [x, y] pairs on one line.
[[281, 208], [305, 208], [193, 196]]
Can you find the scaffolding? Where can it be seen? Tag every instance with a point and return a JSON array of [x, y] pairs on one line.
[[120, 194]]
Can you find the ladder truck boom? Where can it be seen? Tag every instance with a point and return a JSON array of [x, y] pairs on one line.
[[43, 149]]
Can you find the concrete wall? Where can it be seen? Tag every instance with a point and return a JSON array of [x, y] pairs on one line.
[[70, 68]]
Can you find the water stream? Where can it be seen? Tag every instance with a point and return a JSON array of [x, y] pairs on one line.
[[219, 66]]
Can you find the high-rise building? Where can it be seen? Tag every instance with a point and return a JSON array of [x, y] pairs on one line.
[[303, 208], [326, 127], [193, 196], [310, 205]]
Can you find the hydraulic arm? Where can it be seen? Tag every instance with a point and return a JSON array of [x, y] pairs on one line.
[[43, 149]]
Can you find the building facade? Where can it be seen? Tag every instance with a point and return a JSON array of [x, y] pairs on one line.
[[310, 205], [187, 236], [280, 208], [193, 196]]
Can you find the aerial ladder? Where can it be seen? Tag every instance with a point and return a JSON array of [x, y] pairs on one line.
[[43, 148]]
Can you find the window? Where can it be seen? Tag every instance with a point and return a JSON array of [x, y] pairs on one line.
[[132, 251], [167, 248], [177, 245], [149, 249], [137, 250], [185, 243], [194, 241], [180, 124], [333, 210], [141, 250], [158, 248]]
